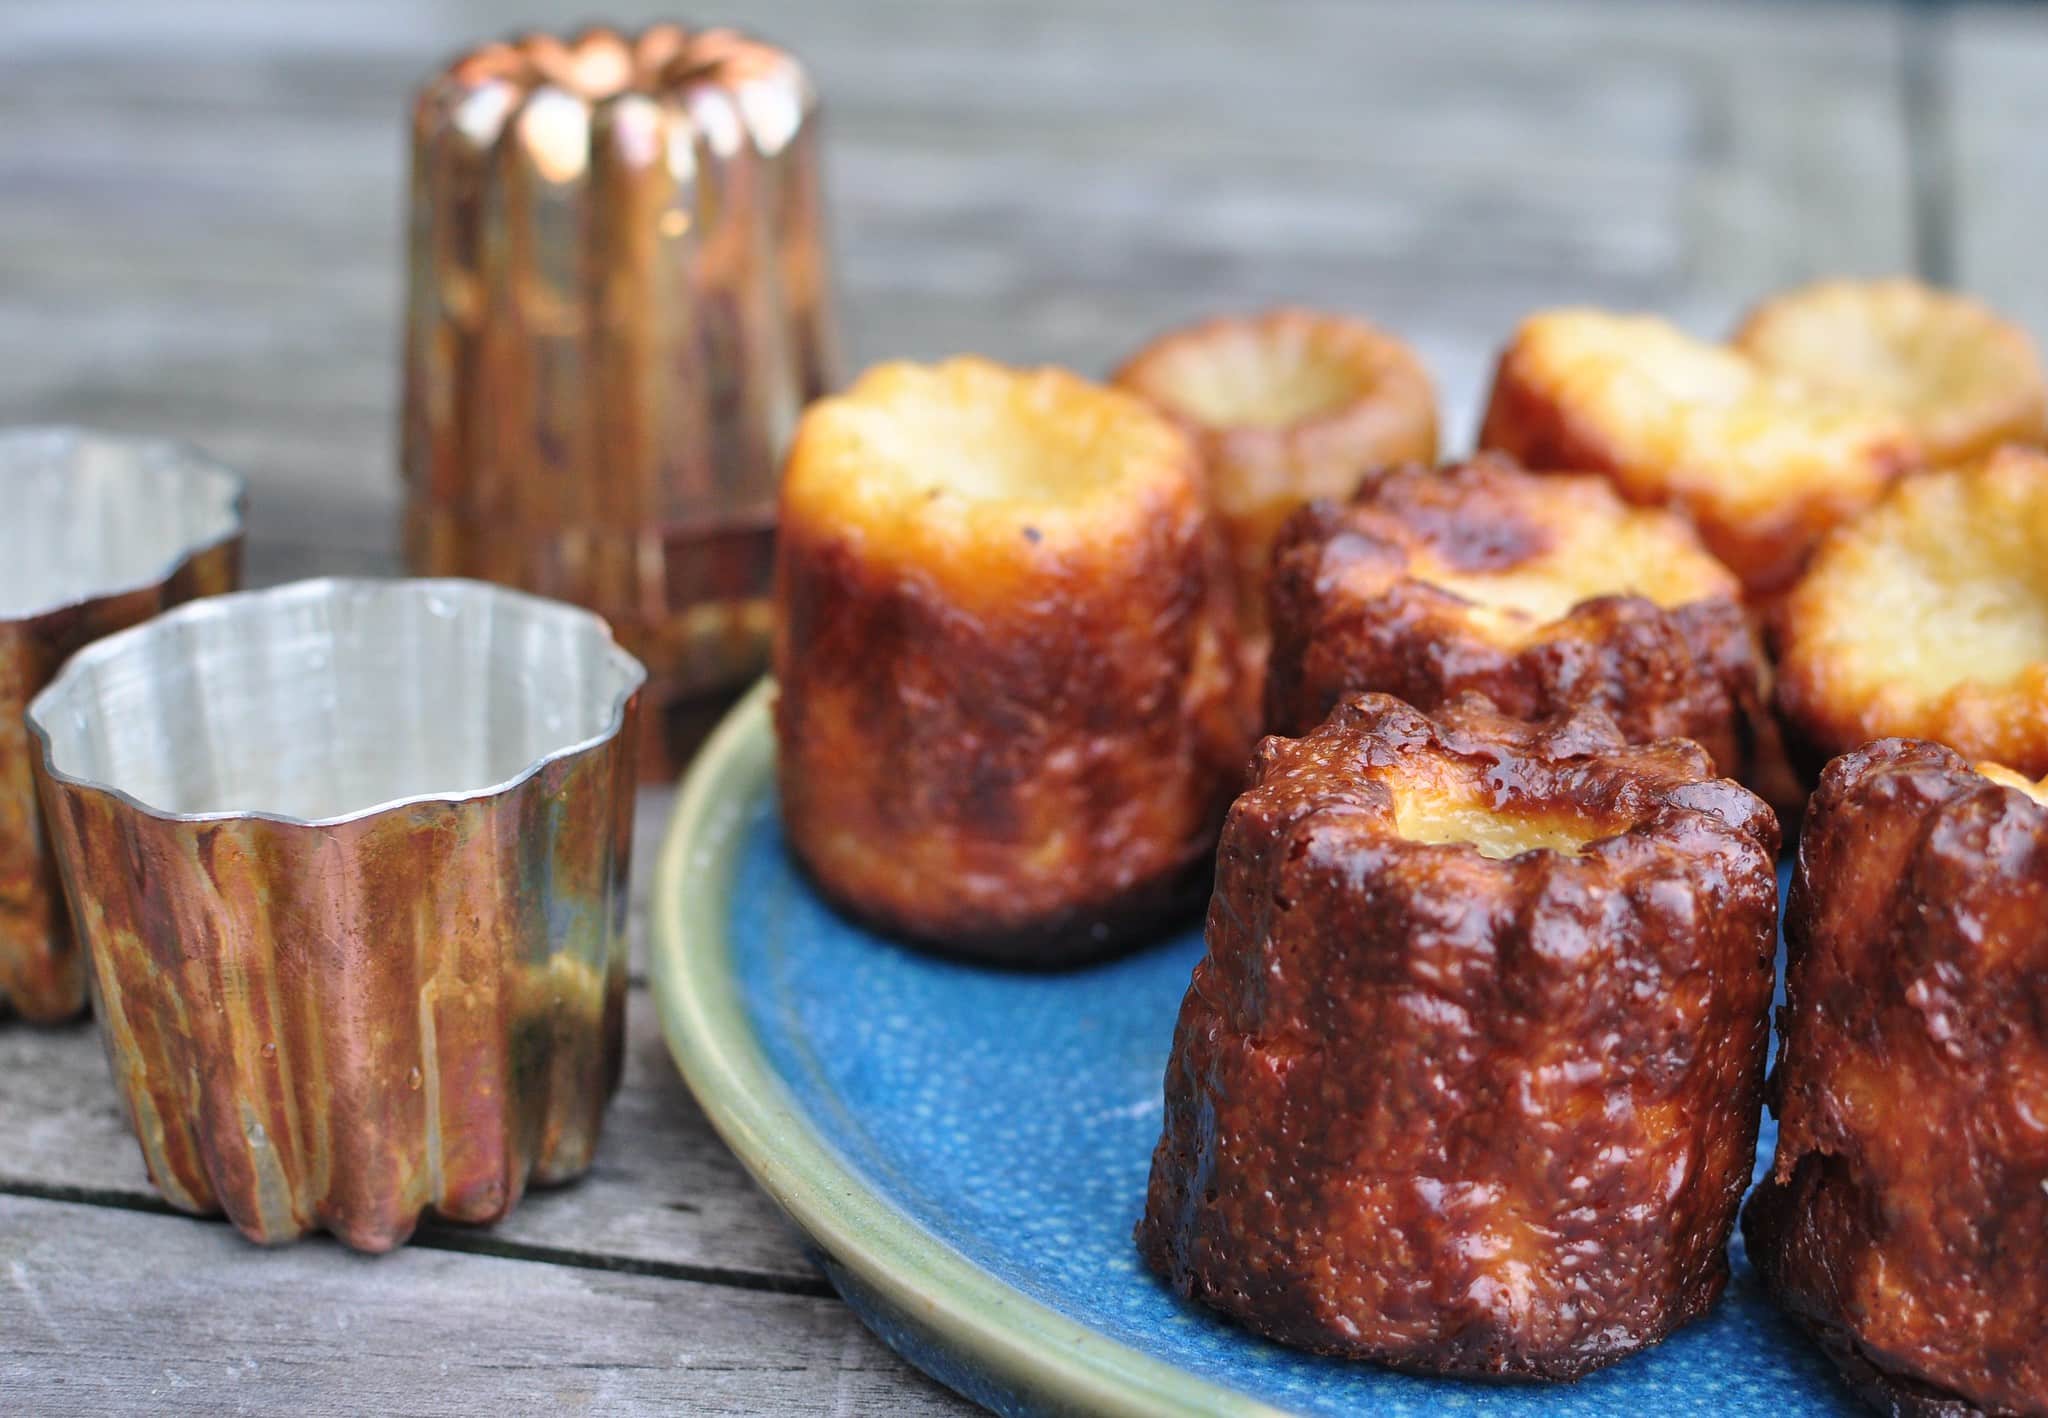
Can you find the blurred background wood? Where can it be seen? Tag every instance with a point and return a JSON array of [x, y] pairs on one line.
[[200, 236]]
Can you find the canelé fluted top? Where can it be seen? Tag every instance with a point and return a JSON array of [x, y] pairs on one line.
[[602, 63], [1381, 775]]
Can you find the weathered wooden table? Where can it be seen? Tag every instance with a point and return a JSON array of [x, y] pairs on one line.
[[199, 236]]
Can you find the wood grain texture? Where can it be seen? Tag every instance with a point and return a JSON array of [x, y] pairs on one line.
[[662, 1193], [1987, 116], [175, 1316], [215, 237], [201, 237]]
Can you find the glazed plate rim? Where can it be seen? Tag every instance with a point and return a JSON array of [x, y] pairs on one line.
[[1026, 1346]]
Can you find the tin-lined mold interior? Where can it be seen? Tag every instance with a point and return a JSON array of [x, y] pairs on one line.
[[332, 698], [84, 515]]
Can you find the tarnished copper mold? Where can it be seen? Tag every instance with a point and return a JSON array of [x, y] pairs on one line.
[[350, 859], [101, 532], [619, 300]]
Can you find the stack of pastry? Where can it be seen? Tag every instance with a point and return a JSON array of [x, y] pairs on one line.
[[1852, 470], [1824, 397], [1019, 639], [1468, 1080]]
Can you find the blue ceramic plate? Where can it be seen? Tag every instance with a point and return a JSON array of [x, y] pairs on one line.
[[968, 1150]]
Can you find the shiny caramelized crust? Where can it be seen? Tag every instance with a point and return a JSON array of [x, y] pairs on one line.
[[1762, 464], [1906, 1217], [1008, 722], [1286, 407], [1967, 379], [1543, 593], [1927, 617], [1468, 1081]]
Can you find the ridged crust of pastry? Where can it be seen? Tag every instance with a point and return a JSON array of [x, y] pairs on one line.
[[1927, 617], [1544, 593], [1905, 1219], [1762, 464], [1468, 1080], [1286, 407], [1009, 720], [1966, 378]]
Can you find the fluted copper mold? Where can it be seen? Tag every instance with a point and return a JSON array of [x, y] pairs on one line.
[[99, 533], [619, 301], [350, 859]]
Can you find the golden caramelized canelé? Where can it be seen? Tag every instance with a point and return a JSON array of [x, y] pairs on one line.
[[1008, 721], [1544, 593], [1468, 1080], [1286, 406], [1763, 463], [1927, 617], [1905, 1220], [1964, 377]]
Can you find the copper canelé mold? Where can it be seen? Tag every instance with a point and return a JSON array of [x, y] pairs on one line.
[[98, 533], [619, 299], [350, 859]]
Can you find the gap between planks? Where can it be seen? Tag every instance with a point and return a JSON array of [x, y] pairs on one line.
[[441, 1236]]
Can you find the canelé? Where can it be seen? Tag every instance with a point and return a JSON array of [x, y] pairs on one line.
[[1762, 463], [1468, 1081], [1965, 378], [1905, 1220], [1008, 715], [1544, 593], [1285, 407], [1927, 617]]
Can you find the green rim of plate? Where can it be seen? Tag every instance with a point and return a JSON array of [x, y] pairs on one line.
[[1024, 1347]]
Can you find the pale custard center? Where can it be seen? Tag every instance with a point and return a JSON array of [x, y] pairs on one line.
[[1439, 817], [1250, 382], [1949, 591]]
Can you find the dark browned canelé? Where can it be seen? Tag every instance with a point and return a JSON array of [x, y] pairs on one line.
[[1544, 593], [1906, 1218], [1469, 1079], [1010, 717]]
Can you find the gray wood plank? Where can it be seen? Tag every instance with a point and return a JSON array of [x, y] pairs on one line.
[[1006, 178], [1992, 114], [113, 1312], [663, 1193]]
